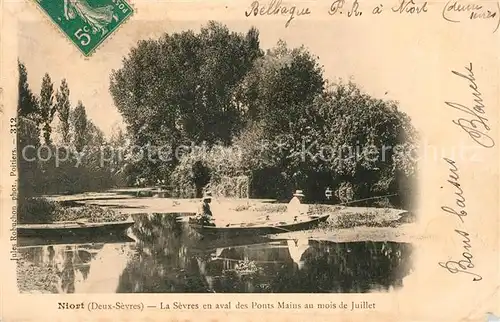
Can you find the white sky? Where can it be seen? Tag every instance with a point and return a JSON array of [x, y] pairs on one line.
[[375, 55]]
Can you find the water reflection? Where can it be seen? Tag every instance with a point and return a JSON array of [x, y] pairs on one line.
[[82, 268], [167, 256]]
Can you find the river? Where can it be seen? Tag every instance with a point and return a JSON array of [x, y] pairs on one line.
[[163, 255]]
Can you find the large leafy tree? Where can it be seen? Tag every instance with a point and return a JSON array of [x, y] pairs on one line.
[[357, 141], [277, 95], [278, 90], [181, 89], [378, 128], [47, 107], [342, 137]]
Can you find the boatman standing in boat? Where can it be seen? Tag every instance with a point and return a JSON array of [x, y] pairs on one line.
[[295, 206]]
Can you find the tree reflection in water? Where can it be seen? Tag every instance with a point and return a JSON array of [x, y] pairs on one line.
[[162, 263], [355, 267], [71, 264], [68, 274], [168, 259]]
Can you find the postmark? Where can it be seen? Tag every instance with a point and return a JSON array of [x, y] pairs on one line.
[[87, 23]]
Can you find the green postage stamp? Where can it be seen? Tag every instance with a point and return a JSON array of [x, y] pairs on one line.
[[87, 22]]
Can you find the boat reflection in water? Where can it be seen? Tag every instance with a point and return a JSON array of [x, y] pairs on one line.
[[167, 256]]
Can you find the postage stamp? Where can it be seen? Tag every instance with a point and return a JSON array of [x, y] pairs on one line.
[[87, 23]]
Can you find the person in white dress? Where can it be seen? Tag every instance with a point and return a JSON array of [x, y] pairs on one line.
[[295, 206]]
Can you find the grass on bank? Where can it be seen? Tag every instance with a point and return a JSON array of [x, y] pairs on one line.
[[43, 211], [340, 217]]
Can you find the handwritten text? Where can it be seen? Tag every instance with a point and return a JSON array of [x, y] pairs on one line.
[[477, 126], [465, 264], [276, 7]]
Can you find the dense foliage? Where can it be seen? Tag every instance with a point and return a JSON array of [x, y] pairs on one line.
[[292, 129], [180, 89], [212, 108], [218, 168], [57, 159]]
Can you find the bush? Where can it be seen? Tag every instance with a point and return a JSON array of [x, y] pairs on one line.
[[43, 211], [217, 168], [36, 210], [90, 213], [320, 209], [272, 208]]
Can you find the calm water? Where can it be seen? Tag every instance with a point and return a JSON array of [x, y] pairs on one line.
[[166, 256]]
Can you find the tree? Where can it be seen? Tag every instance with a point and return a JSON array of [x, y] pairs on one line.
[[218, 87], [218, 166], [28, 140], [47, 107], [27, 104], [118, 154], [357, 139], [80, 125], [341, 137], [63, 107], [277, 96], [280, 87], [180, 89], [94, 136], [28, 136]]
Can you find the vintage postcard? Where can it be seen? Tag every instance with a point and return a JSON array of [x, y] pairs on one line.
[[249, 160]]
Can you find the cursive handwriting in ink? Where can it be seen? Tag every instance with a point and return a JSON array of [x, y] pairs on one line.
[[463, 265], [473, 11], [483, 15], [335, 7], [338, 5], [410, 7], [354, 10], [455, 6], [478, 125], [276, 7], [487, 14], [460, 200], [498, 20]]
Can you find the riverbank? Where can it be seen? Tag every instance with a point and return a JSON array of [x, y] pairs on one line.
[[108, 207], [351, 224], [344, 223], [44, 211], [111, 206]]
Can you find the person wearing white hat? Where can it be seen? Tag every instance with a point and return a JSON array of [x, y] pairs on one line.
[[204, 212], [295, 206], [205, 203]]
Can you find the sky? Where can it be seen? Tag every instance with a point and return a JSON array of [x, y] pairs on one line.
[[375, 56]]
